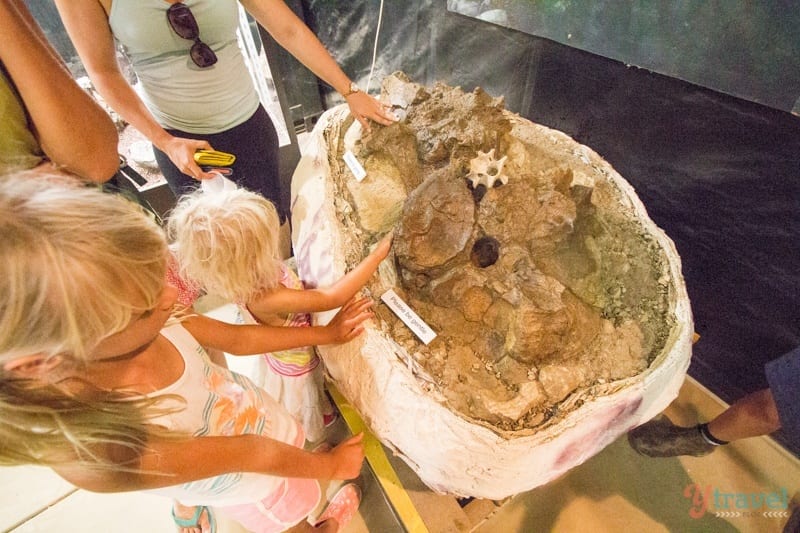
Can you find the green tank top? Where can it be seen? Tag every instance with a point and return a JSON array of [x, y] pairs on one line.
[[178, 93], [19, 148]]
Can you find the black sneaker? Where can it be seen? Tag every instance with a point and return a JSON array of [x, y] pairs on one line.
[[661, 438]]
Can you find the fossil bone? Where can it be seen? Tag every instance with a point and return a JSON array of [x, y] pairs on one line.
[[486, 170]]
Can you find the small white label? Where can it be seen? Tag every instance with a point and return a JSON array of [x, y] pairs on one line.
[[409, 317], [354, 166]]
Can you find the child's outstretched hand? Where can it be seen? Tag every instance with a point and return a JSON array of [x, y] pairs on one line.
[[348, 457], [347, 324], [383, 247]]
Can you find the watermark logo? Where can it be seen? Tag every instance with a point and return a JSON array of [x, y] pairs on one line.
[[706, 498]]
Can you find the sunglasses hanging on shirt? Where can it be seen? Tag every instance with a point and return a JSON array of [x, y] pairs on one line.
[[182, 22]]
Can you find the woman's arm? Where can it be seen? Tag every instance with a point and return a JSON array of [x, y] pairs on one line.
[[253, 339], [73, 130], [171, 462], [87, 25], [292, 34], [283, 300]]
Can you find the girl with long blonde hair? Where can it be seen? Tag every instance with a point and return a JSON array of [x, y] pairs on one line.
[[100, 382]]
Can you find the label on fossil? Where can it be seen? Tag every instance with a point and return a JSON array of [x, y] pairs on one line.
[[409, 317], [354, 166]]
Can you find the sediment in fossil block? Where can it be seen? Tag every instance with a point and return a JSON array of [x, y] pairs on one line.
[[533, 261], [537, 280]]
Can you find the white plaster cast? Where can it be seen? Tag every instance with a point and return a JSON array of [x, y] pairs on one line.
[[449, 453]]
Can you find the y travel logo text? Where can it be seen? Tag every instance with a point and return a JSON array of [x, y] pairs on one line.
[[706, 498]]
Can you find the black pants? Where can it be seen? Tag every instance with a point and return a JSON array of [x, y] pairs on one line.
[[255, 145]]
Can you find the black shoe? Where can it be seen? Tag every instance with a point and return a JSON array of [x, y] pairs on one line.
[[793, 524], [661, 438]]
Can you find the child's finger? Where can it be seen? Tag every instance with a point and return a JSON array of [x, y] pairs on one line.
[[353, 322], [353, 333], [351, 313], [359, 306], [361, 313], [354, 302]]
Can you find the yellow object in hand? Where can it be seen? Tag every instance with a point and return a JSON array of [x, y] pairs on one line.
[[214, 158]]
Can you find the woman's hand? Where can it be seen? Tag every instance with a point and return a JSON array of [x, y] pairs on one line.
[[365, 108], [292, 34], [181, 152], [347, 324], [348, 457]]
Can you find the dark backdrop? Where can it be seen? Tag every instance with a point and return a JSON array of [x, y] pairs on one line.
[[746, 49]]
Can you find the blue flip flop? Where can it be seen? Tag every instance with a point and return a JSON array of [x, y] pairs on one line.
[[194, 521]]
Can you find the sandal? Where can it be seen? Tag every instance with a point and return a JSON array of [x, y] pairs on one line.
[[343, 506], [194, 521]]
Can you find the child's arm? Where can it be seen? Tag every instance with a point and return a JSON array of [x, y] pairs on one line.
[[172, 462], [253, 339], [283, 300]]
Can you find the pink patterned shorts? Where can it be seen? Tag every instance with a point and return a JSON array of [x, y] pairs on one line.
[[290, 503], [287, 506]]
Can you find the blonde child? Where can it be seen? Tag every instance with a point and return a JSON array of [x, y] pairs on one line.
[[227, 243], [100, 384]]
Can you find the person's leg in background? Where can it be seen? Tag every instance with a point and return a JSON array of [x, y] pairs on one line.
[[752, 415], [758, 413]]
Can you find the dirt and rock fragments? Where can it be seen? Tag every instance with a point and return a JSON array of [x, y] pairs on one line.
[[512, 244]]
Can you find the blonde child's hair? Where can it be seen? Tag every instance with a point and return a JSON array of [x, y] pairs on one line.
[[227, 242], [77, 264]]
